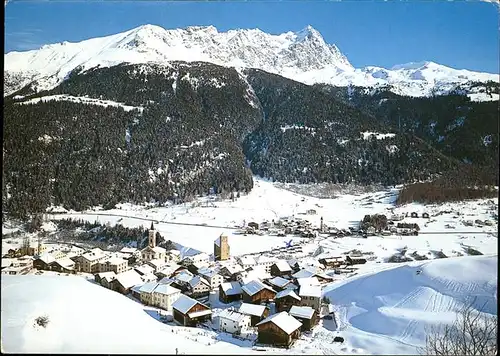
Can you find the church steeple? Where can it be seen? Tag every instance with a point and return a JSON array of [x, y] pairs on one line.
[[152, 227], [152, 236]]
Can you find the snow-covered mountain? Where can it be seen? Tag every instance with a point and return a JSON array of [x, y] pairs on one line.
[[303, 56]]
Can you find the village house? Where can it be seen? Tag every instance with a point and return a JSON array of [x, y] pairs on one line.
[[164, 296], [253, 225], [279, 330], [190, 312], [156, 264], [230, 292], [174, 255], [257, 313], [89, 261], [62, 265], [144, 269], [21, 265], [115, 264], [199, 287], [213, 278], [278, 283], [152, 252], [310, 296], [286, 299], [233, 322], [255, 272], [126, 280], [182, 279], [131, 251], [105, 278], [257, 292], [230, 272], [42, 262], [201, 258], [352, 260], [246, 261], [146, 292], [265, 262], [294, 265], [332, 261], [221, 248], [195, 267], [169, 269], [280, 269], [306, 315]]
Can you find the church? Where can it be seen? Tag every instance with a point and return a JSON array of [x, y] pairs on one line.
[[221, 248], [152, 252]]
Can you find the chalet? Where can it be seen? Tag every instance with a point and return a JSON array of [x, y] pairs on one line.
[[257, 313], [62, 265], [144, 269], [182, 280], [173, 255], [115, 264], [332, 262], [213, 278], [190, 312], [42, 262], [294, 265], [232, 322], [279, 283], [126, 280], [311, 281], [257, 292], [105, 278], [131, 251], [201, 258], [230, 292], [230, 271], [265, 262], [246, 261], [355, 260], [305, 273], [286, 299], [279, 330], [310, 296], [306, 315], [255, 272], [156, 264], [199, 287], [169, 269], [280, 269]]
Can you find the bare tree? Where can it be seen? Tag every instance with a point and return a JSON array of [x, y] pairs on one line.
[[472, 333]]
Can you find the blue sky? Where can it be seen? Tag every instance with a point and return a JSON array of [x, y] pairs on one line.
[[457, 34]]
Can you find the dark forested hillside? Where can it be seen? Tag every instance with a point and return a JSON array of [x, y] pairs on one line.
[[190, 127]]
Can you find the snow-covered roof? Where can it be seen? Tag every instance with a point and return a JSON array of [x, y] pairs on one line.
[[232, 268], [114, 261], [207, 272], [131, 250], [305, 273], [159, 249], [65, 262], [231, 288], [169, 268], [255, 286], [94, 254], [129, 279], [165, 289], [264, 259], [282, 266], [247, 260], [184, 304], [148, 287], [232, 315], [217, 242], [197, 280], [47, 258], [174, 252], [302, 312], [150, 277], [287, 292], [184, 276], [279, 282], [166, 280], [310, 291], [200, 313], [252, 309], [156, 263], [110, 274], [311, 281], [6, 262], [283, 321], [144, 269]]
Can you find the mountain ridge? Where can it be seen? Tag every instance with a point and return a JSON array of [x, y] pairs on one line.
[[303, 56]]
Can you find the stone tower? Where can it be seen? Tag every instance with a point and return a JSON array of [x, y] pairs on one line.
[[152, 236], [221, 248]]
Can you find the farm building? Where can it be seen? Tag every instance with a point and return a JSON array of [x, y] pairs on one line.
[[279, 330], [332, 262], [233, 322], [230, 271], [190, 312], [257, 313], [257, 292], [351, 260], [253, 225], [199, 287], [42, 262], [306, 315], [286, 299], [126, 280], [230, 292], [281, 269]]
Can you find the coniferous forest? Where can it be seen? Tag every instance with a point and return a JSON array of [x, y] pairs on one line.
[[190, 128]]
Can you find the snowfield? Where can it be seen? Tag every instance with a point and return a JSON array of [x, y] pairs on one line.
[[86, 318], [387, 312]]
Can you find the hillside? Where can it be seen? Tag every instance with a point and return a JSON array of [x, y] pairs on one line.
[[150, 132], [388, 311], [303, 56], [86, 318]]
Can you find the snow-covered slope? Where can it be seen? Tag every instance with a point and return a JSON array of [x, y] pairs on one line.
[[86, 318], [388, 311], [302, 56]]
